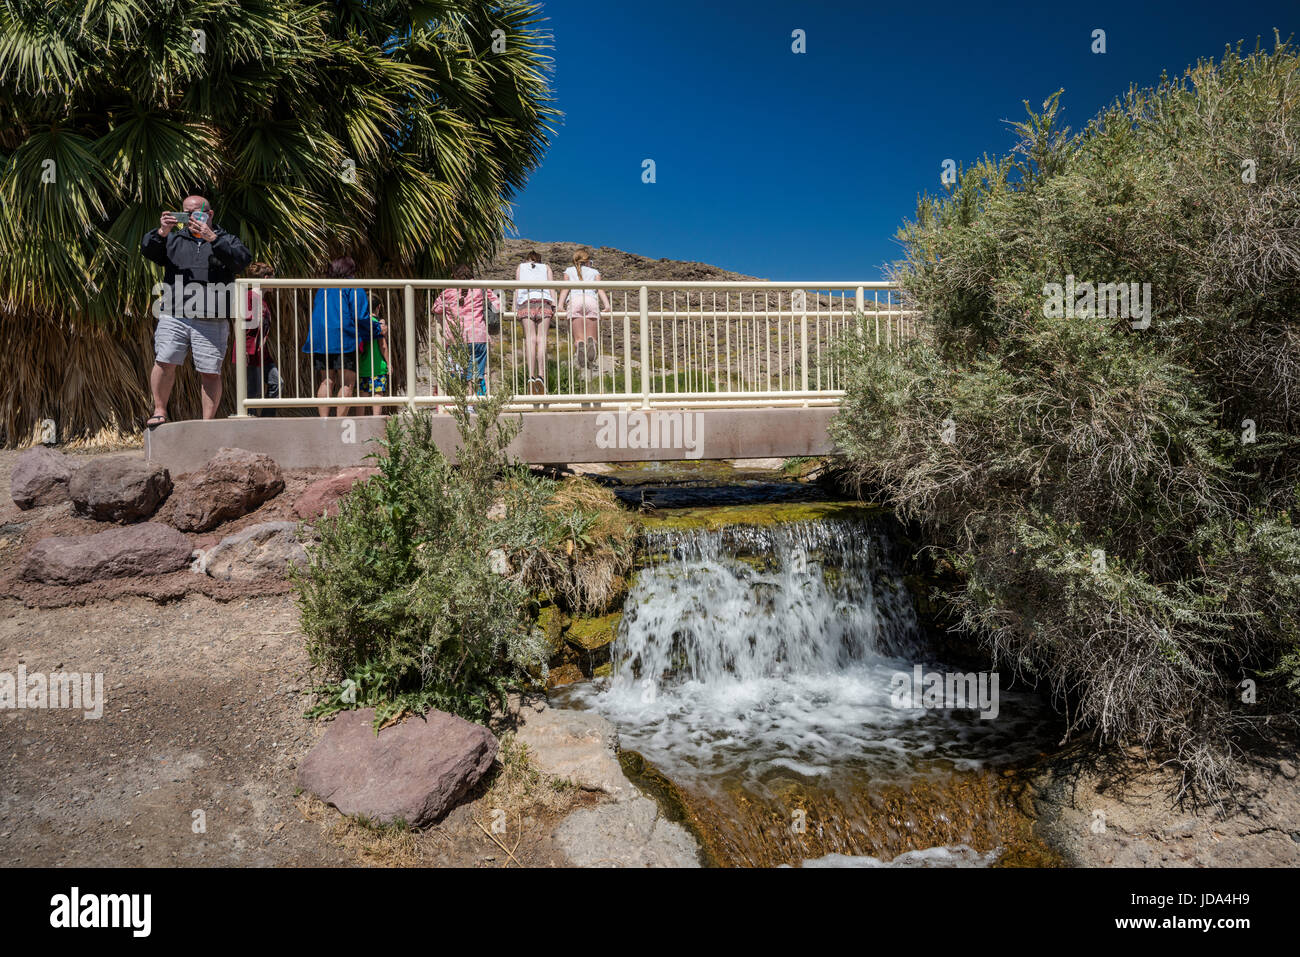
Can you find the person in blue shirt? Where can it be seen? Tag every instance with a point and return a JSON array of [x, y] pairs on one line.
[[341, 331]]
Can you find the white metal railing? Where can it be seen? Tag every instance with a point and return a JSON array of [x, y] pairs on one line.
[[658, 344]]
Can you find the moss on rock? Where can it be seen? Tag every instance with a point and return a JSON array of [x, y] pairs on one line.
[[591, 638], [552, 622], [593, 634], [717, 517]]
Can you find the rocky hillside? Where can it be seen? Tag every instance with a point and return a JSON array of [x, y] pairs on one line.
[[612, 263]]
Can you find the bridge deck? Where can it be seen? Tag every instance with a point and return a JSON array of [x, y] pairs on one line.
[[546, 437]]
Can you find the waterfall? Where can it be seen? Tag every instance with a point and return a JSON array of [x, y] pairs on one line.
[[753, 602], [757, 654]]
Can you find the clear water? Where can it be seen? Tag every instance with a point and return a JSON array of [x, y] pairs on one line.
[[755, 655]]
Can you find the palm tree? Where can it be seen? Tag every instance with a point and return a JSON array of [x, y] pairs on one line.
[[397, 132]]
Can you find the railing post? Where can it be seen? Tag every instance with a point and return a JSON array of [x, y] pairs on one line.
[[627, 350], [803, 351], [241, 351], [409, 307], [645, 350]]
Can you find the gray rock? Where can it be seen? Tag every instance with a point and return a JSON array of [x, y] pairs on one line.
[[413, 772], [119, 489], [40, 477], [631, 833], [499, 561], [576, 746], [230, 485], [146, 549], [259, 551]]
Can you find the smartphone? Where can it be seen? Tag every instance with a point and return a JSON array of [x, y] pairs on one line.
[[182, 220]]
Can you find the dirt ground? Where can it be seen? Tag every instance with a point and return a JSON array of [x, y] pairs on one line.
[[1119, 809], [205, 686]]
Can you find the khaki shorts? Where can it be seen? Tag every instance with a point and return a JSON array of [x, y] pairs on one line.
[[174, 339]]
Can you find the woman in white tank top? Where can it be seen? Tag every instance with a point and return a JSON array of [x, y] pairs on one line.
[[535, 307], [584, 310]]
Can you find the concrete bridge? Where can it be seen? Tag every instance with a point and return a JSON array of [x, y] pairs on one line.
[[689, 370]]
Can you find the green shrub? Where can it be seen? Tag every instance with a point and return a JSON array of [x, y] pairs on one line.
[[399, 595], [1118, 535], [400, 602]]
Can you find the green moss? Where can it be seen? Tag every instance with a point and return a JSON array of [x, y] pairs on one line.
[[715, 517], [552, 623], [593, 634]]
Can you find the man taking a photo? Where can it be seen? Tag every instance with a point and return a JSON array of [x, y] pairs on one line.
[[200, 262]]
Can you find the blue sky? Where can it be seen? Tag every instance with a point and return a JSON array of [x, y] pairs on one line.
[[802, 166]]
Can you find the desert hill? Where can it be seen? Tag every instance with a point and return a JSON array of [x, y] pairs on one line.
[[612, 263]]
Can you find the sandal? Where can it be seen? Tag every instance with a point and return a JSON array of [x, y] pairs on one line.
[[154, 421]]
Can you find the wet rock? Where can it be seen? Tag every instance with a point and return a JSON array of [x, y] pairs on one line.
[[119, 489], [592, 638], [593, 635], [232, 484], [576, 746], [552, 623], [322, 498], [259, 551], [40, 477], [953, 856], [565, 674], [146, 549], [413, 772], [631, 833]]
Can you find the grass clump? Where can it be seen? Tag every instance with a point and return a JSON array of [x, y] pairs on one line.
[[590, 542], [1118, 498]]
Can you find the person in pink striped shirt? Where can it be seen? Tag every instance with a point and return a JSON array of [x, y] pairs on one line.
[[464, 319]]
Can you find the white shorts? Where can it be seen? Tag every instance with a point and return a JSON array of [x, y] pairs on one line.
[[584, 307]]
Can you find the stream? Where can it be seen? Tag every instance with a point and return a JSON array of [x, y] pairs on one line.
[[758, 666]]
